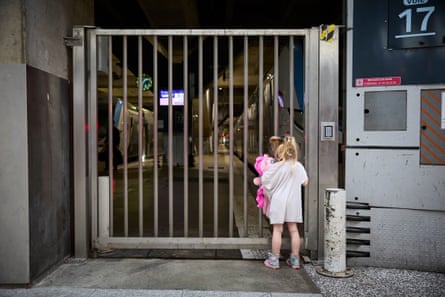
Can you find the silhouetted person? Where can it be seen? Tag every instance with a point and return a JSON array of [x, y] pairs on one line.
[[117, 155]]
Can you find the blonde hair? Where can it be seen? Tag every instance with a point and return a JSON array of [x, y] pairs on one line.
[[287, 150], [274, 142]]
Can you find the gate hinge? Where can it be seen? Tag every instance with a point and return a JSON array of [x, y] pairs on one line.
[[72, 41]]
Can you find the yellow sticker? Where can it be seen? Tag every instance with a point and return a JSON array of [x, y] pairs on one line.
[[327, 33]]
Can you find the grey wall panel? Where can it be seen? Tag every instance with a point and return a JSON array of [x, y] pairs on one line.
[[49, 170], [412, 239], [393, 178], [14, 219]]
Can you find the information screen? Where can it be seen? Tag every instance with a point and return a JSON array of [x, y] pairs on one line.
[[177, 97]]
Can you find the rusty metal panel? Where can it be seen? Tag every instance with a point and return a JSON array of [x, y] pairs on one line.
[[432, 134]]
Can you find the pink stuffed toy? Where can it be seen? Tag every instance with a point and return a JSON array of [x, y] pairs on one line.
[[262, 164]]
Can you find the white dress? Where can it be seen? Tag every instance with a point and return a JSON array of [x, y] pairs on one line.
[[282, 181]]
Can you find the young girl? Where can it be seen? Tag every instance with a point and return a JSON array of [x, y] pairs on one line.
[[283, 183]]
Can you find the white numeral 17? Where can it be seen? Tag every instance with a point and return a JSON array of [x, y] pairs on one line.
[[407, 13]]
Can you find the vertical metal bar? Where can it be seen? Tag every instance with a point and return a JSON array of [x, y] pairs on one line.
[[110, 118], [186, 139], [231, 136], [327, 112], [170, 135], [125, 111], [215, 136], [200, 140], [110, 130], [261, 113], [92, 131], [79, 149], [261, 94], [155, 136], [291, 85], [140, 130], [311, 127], [246, 132], [275, 88]]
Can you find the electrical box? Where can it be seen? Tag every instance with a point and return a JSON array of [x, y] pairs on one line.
[[384, 116], [385, 111]]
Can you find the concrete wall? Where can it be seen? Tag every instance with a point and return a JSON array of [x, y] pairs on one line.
[[47, 23], [11, 34], [14, 210], [36, 227]]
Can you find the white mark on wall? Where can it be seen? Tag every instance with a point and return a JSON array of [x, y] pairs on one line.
[[442, 117]]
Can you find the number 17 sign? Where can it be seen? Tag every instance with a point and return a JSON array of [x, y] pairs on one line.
[[416, 23]]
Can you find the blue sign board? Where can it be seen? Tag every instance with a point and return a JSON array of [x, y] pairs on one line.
[[416, 23], [398, 42]]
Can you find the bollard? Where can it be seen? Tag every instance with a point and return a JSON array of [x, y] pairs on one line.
[[335, 234], [103, 185], [104, 214]]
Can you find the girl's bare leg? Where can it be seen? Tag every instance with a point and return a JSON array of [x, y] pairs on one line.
[[294, 237], [276, 238]]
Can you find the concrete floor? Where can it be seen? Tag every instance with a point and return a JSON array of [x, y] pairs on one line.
[[183, 273], [178, 274]]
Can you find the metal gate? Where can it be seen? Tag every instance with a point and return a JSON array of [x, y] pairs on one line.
[[164, 132]]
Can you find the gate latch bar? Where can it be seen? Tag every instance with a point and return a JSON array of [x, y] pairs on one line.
[[72, 41]]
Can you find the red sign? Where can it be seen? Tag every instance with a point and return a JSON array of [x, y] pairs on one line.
[[378, 81]]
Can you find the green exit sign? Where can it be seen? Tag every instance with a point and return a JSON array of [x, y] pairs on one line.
[[416, 23]]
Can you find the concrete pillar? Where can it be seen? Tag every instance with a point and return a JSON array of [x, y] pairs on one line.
[[335, 234]]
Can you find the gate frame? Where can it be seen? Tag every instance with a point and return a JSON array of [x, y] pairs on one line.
[[321, 106]]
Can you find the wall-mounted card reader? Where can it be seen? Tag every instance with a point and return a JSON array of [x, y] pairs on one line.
[[327, 131]]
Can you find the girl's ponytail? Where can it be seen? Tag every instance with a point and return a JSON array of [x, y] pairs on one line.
[[287, 150]]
